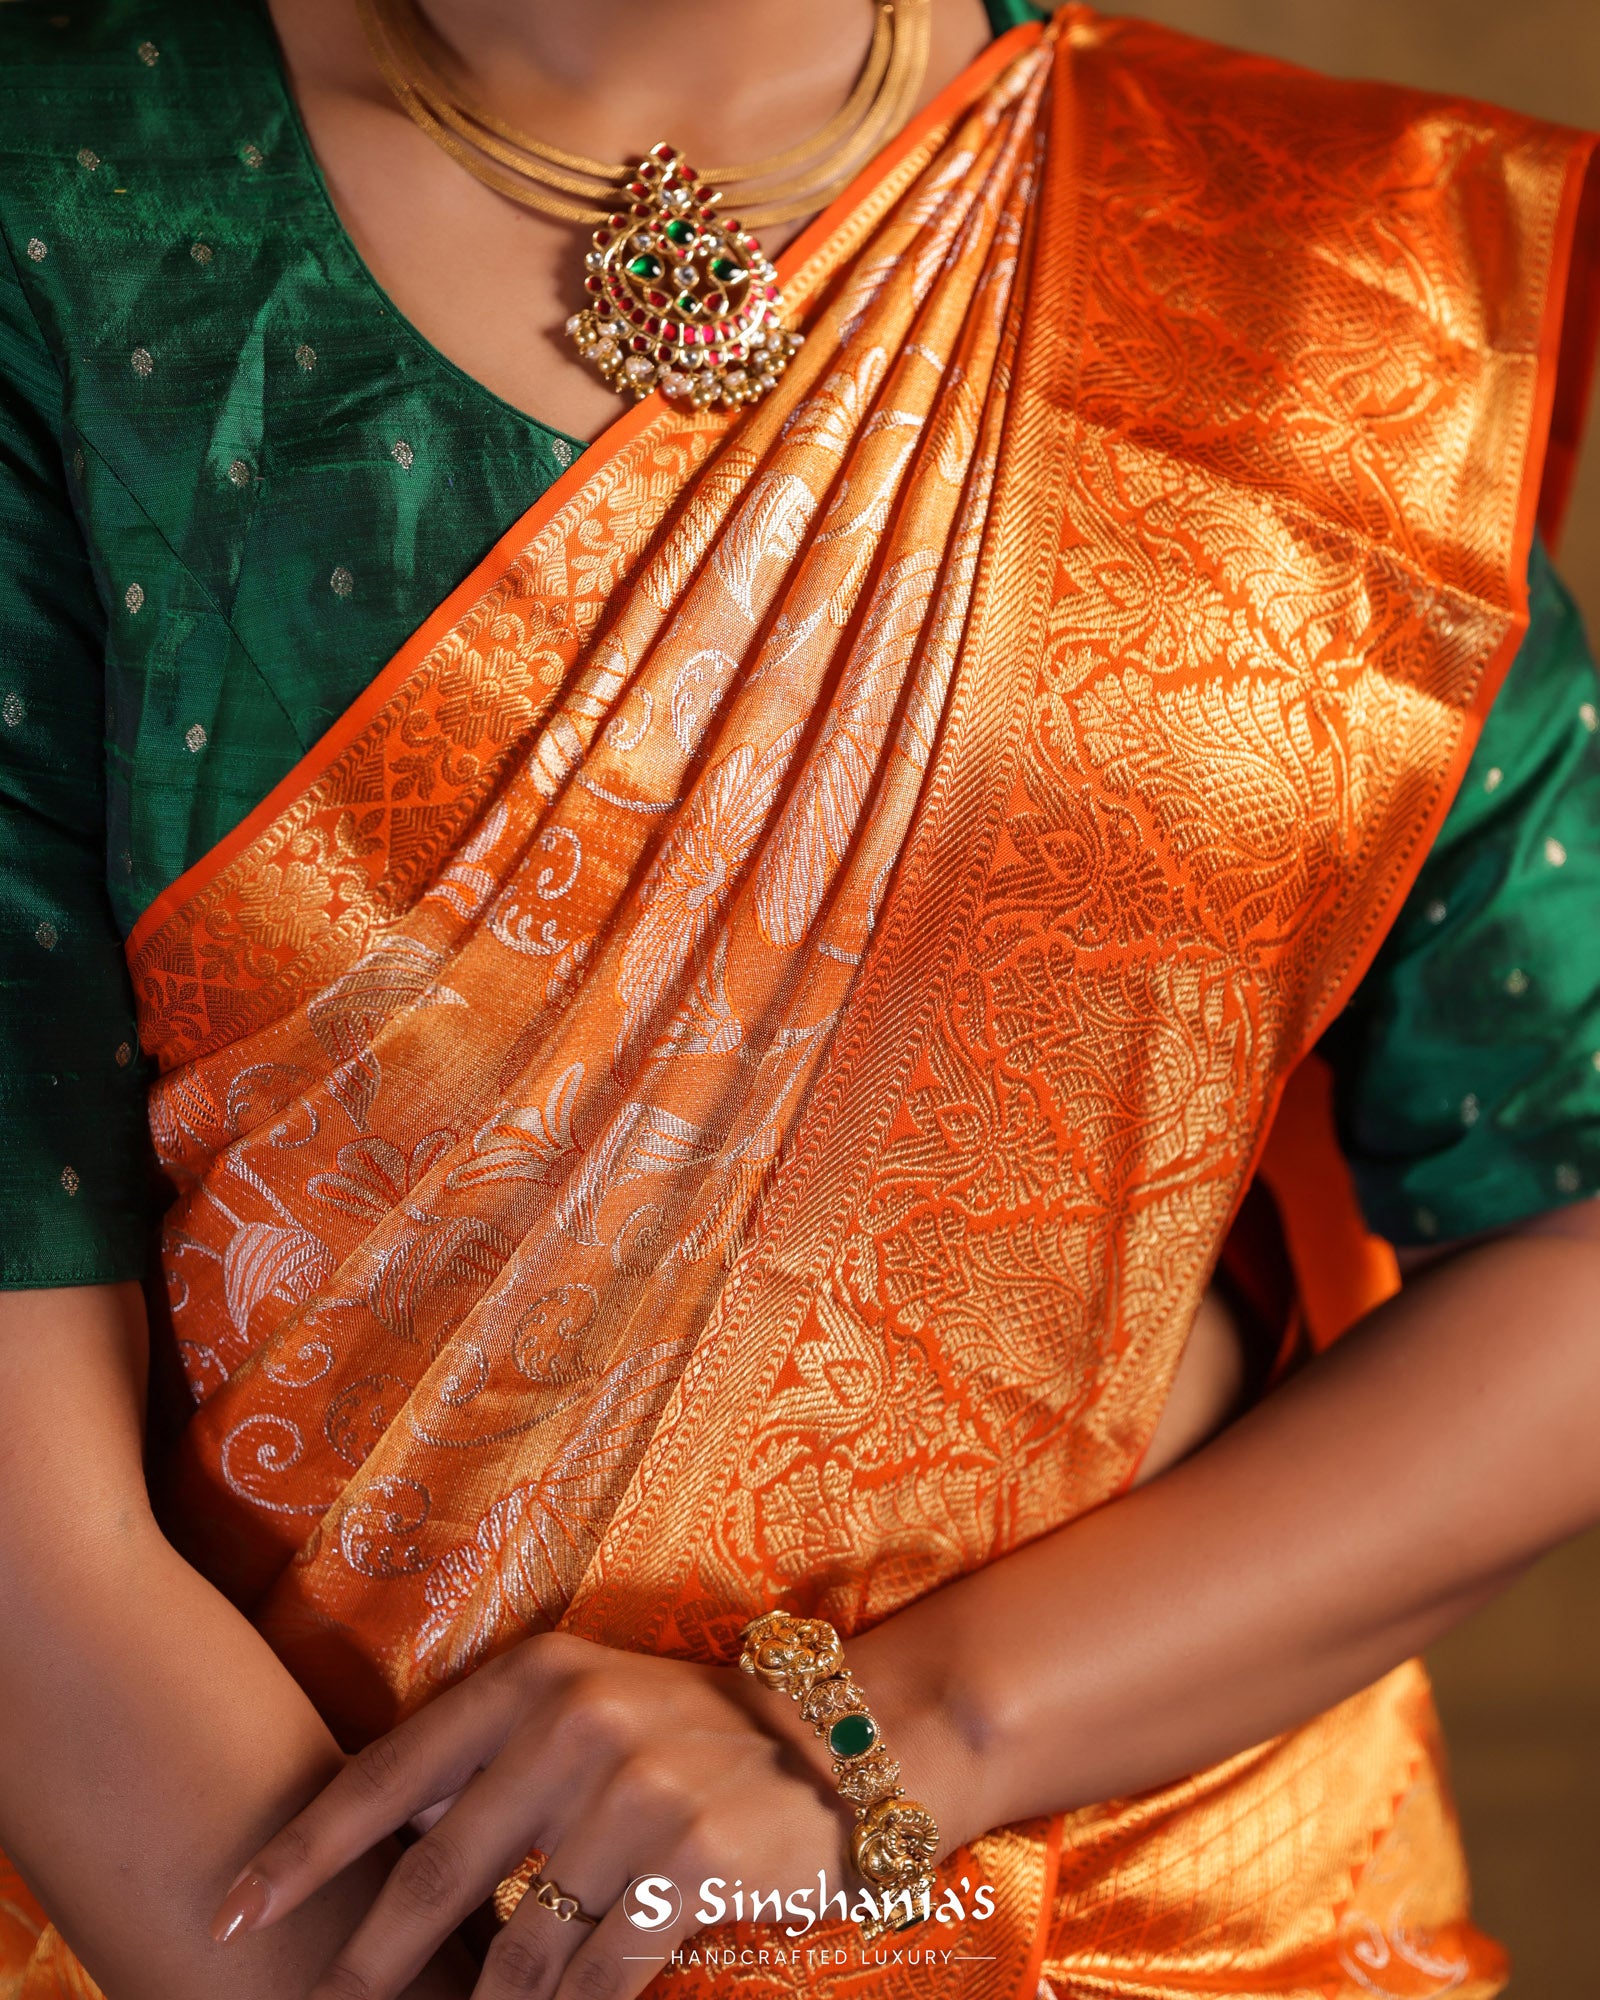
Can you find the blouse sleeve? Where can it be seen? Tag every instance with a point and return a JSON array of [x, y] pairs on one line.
[[76, 1184], [1467, 1067]]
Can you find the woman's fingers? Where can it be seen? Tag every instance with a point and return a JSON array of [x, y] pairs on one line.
[[436, 1884], [637, 1826], [529, 1954], [428, 1757], [537, 1957], [614, 1958]]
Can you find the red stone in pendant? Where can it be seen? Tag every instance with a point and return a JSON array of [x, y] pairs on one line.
[[662, 151], [592, 283], [638, 343]]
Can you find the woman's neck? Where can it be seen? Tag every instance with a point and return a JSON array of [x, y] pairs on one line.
[[723, 79]]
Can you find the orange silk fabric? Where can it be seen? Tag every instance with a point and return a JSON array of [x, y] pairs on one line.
[[723, 1081]]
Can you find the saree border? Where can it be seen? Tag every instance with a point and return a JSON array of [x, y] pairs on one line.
[[1553, 359], [1342, 1270], [802, 267]]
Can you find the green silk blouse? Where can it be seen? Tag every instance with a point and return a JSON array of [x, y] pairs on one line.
[[233, 480]]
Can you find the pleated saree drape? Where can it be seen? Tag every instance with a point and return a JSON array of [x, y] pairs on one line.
[[722, 1081]]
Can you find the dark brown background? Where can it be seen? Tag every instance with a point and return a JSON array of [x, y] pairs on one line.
[[1520, 1685]]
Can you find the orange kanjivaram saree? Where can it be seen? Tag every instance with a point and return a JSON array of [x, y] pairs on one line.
[[723, 1080]]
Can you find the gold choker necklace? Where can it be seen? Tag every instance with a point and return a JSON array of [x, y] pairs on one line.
[[680, 298]]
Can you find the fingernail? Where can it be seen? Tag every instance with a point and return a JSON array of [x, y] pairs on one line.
[[242, 1908]]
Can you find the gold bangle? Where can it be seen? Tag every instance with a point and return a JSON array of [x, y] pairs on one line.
[[894, 1839]]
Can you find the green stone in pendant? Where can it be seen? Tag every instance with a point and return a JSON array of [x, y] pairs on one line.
[[852, 1735], [679, 231], [645, 267], [725, 270], [688, 303]]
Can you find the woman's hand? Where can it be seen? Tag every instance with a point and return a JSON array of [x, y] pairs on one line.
[[613, 1764]]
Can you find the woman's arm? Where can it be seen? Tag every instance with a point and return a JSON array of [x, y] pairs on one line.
[[1345, 1522], [150, 1738]]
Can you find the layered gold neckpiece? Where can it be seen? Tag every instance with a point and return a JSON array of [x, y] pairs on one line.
[[681, 299]]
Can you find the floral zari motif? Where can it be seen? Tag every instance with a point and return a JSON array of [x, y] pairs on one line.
[[724, 1081]]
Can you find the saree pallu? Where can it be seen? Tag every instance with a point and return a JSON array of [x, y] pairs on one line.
[[723, 1080]]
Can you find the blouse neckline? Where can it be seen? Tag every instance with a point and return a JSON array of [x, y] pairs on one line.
[[351, 254]]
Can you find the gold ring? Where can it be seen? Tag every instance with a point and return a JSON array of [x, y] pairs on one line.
[[528, 1878]]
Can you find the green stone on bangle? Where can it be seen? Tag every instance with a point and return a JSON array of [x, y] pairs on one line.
[[852, 1735]]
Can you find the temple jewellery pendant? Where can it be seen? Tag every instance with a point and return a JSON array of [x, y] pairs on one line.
[[682, 301]]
